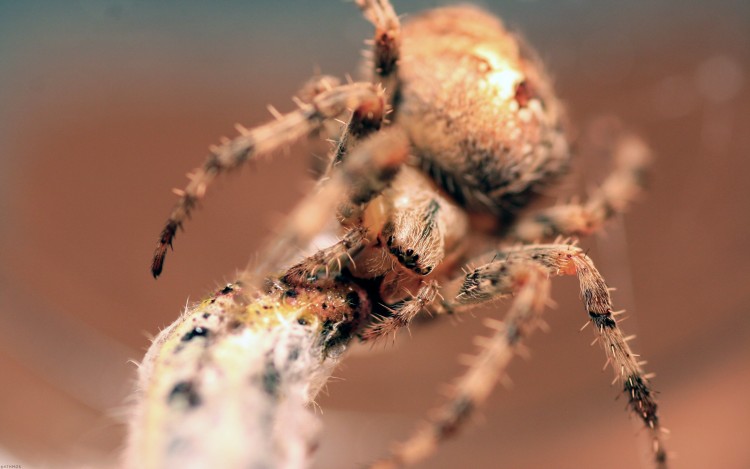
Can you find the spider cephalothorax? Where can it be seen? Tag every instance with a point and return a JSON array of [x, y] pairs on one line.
[[473, 131]]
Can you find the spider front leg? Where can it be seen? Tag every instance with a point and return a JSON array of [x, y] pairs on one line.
[[616, 193], [250, 144]]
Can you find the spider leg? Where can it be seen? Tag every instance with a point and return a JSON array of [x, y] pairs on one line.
[[561, 259], [328, 261], [316, 85], [250, 144], [524, 272], [366, 171], [403, 313], [364, 120], [615, 194], [387, 41], [330, 130], [530, 283]]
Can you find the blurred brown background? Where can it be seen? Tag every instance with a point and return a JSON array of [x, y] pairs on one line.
[[104, 105]]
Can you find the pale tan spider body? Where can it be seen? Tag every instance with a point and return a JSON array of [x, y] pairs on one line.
[[479, 111], [475, 132]]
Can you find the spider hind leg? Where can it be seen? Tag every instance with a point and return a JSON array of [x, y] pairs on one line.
[[524, 273], [624, 184], [530, 283], [560, 259]]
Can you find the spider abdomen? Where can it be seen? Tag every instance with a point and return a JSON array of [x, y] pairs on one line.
[[479, 110]]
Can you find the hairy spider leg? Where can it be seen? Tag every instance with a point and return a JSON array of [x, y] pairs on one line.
[[250, 144], [530, 283], [329, 261], [516, 272], [624, 184], [402, 313]]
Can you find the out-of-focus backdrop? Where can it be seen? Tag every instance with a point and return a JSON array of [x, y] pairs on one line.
[[105, 105]]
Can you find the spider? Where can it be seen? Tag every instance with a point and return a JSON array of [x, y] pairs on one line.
[[455, 132]]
